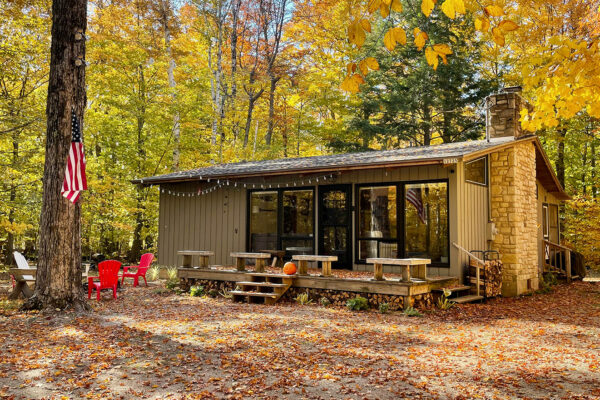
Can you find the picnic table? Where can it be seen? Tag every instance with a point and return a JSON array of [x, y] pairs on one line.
[[324, 260], [419, 266], [241, 258], [188, 256]]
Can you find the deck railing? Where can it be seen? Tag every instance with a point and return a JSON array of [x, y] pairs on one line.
[[557, 258], [478, 264]]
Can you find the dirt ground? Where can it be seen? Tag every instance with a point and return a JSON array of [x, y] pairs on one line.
[[148, 344]]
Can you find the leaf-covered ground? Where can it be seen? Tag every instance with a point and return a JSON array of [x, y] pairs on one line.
[[151, 345]]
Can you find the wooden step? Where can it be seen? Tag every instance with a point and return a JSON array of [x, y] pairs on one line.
[[453, 289], [253, 294], [270, 275], [467, 299], [265, 284]]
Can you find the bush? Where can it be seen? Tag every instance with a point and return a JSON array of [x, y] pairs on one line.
[[171, 273], [358, 303], [443, 302], [197, 291], [154, 273], [213, 293], [324, 301], [411, 312], [547, 281], [303, 299], [384, 308], [171, 284]]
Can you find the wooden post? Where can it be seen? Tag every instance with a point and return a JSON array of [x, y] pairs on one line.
[[405, 273], [187, 260], [302, 267], [477, 269], [568, 264], [421, 271], [240, 263], [203, 260], [326, 268], [260, 265], [378, 272]]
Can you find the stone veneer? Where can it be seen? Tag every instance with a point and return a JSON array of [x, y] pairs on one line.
[[514, 212]]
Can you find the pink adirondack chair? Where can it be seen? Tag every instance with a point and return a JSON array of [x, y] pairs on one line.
[[109, 278], [145, 262]]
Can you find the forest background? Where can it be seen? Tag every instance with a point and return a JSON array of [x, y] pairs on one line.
[[175, 85]]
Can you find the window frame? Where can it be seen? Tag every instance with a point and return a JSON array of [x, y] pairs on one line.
[[545, 221], [400, 216], [485, 172], [280, 235]]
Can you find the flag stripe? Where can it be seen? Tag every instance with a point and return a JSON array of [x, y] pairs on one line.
[[75, 180], [413, 196]]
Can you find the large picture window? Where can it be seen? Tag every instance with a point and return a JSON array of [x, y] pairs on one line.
[[403, 220], [377, 222], [282, 219], [426, 221]]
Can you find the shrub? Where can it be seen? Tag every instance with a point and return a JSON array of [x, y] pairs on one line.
[[547, 281], [384, 308], [213, 293], [303, 299], [443, 302], [197, 291], [358, 303], [411, 312], [324, 301], [154, 273], [171, 273], [171, 284], [226, 294]]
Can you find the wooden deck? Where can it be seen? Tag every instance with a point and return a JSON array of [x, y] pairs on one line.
[[388, 287]]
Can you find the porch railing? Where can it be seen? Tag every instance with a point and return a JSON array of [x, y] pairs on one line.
[[478, 264], [557, 258]]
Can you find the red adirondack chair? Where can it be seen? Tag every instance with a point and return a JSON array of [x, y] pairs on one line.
[[109, 277], [145, 262]]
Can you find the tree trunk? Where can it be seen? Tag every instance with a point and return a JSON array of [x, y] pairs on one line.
[[593, 168], [269, 135], [560, 156], [58, 282]]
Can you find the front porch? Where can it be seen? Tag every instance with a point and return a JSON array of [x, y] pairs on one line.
[[343, 285]]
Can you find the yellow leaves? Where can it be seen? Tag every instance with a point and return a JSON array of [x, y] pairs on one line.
[[427, 7], [373, 6], [393, 36], [384, 10], [494, 11], [508, 26], [498, 36], [420, 38], [437, 50], [396, 5], [366, 25], [453, 7], [356, 33], [366, 64], [351, 83], [482, 25]]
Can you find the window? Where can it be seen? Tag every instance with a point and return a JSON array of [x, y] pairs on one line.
[[553, 222], [476, 171], [282, 219], [263, 220], [545, 230], [426, 221], [298, 217], [377, 222]]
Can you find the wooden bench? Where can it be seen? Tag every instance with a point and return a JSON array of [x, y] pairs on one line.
[[241, 258], [188, 256], [324, 260], [419, 266]]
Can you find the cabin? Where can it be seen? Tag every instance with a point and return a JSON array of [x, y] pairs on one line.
[[499, 193]]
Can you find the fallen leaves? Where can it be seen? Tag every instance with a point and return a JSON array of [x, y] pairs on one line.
[[148, 346]]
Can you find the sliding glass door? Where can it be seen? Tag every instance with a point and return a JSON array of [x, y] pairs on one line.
[[403, 220]]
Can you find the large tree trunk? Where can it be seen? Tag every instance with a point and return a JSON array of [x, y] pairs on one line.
[[58, 282], [272, 88], [560, 156]]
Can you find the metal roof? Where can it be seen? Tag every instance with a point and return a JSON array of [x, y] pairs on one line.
[[408, 155]]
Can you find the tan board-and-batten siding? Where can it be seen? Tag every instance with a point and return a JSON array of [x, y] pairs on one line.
[[217, 221]]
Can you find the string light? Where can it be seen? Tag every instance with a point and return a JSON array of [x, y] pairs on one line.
[[226, 182]]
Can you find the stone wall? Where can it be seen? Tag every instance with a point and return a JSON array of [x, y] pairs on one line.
[[503, 114], [514, 212]]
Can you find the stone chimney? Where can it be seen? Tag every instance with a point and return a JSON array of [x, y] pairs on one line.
[[503, 111]]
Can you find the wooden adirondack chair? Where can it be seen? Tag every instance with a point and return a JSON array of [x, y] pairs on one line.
[[145, 262], [109, 277], [20, 276]]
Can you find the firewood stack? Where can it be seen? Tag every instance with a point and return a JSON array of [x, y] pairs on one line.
[[490, 277]]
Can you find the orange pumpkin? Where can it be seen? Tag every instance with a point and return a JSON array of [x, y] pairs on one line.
[[289, 268]]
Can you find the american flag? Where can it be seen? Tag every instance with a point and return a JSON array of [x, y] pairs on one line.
[[75, 180], [414, 197]]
